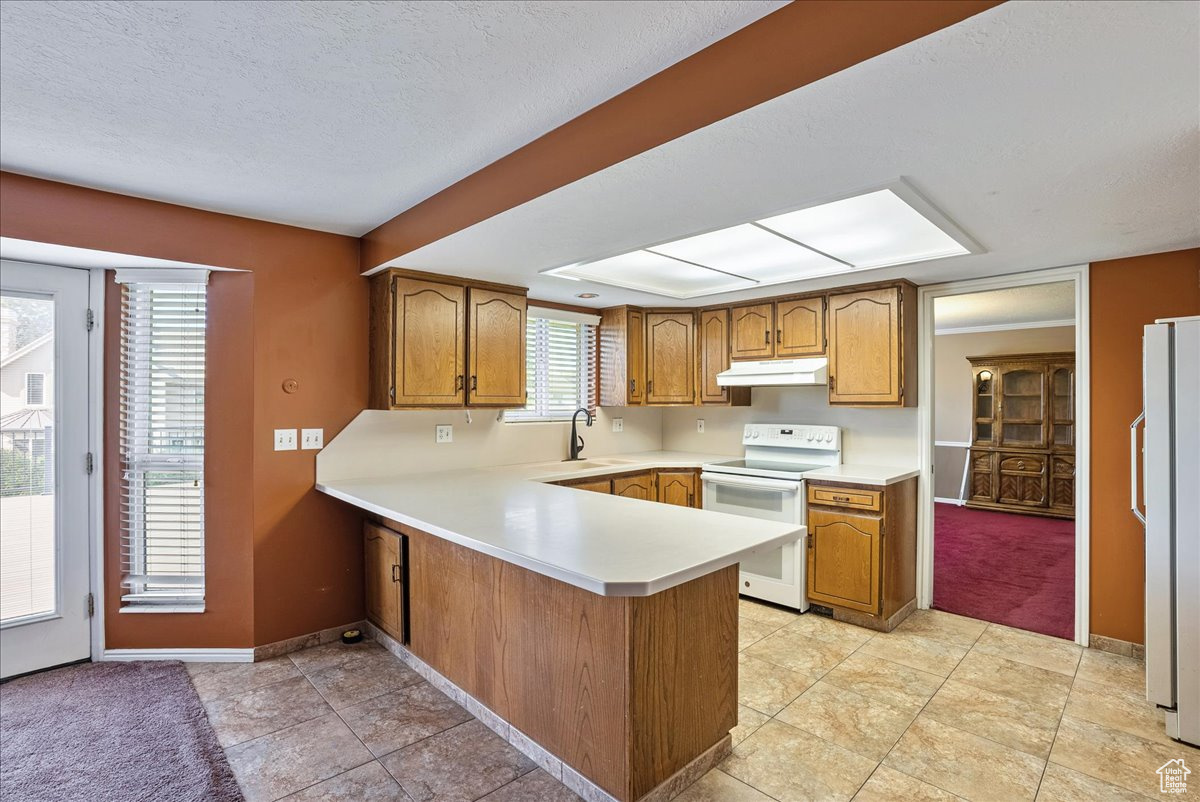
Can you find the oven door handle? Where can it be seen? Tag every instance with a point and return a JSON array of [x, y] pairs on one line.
[[749, 481]]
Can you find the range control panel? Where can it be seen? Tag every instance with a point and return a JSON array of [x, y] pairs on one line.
[[787, 435]]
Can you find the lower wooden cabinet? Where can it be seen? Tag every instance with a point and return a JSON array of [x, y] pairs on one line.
[[594, 485], [387, 591], [638, 485], [862, 551], [677, 487], [1029, 482]]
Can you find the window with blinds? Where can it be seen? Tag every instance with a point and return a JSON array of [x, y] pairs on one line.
[[162, 440], [560, 369]]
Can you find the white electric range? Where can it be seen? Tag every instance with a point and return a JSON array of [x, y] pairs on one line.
[[768, 483]]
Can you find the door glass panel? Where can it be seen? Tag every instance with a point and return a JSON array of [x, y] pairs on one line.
[[1022, 406], [28, 559]]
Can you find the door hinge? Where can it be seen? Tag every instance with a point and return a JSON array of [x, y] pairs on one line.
[[90, 320], [91, 603], [89, 462]]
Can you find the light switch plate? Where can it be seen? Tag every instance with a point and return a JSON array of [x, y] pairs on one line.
[[444, 433], [312, 439], [700, 425], [285, 439], [618, 424]]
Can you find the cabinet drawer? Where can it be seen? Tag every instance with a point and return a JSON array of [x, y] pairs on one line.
[[1023, 463], [846, 497]]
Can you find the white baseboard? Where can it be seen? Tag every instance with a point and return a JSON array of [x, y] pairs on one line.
[[187, 655], [953, 501]]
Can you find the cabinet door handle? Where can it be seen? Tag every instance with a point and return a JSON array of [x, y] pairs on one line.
[[395, 573], [632, 386], [474, 383], [767, 335], [778, 335], [832, 382], [650, 387], [458, 383]]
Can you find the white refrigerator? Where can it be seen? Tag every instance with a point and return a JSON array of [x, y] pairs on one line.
[[1171, 491]]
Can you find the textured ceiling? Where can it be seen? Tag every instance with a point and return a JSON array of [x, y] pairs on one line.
[[1052, 133], [1037, 303], [328, 115]]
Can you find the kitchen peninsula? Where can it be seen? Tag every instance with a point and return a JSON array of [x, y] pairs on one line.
[[602, 628]]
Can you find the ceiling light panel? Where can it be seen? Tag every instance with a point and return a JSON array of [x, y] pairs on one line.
[[749, 251], [872, 230], [652, 272]]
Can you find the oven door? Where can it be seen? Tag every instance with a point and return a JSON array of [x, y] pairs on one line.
[[776, 575]]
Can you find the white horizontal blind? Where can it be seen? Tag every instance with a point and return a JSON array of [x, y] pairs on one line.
[[162, 443], [560, 370]]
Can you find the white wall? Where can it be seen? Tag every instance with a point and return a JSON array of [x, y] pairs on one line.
[[869, 436], [379, 443]]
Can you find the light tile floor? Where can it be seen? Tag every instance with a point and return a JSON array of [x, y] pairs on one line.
[[943, 708]]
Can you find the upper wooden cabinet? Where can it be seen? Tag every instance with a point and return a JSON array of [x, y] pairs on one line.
[[752, 331], [713, 358], [622, 357], [670, 357], [445, 342], [496, 347], [872, 343], [800, 327]]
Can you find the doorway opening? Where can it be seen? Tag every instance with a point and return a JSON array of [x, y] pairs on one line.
[[1004, 523]]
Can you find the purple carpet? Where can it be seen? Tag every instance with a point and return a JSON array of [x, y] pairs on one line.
[[1017, 570], [117, 732]]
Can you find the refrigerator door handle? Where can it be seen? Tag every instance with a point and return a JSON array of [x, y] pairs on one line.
[[1133, 467]]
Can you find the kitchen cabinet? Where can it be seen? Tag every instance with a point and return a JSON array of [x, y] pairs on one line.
[[713, 337], [752, 331], [445, 342], [862, 551], [638, 485], [622, 357], [670, 357], [594, 484], [1023, 434], [800, 327], [872, 344], [677, 487], [383, 558]]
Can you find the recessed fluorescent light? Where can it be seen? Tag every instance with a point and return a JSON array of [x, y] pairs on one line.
[[652, 272], [872, 230], [749, 251]]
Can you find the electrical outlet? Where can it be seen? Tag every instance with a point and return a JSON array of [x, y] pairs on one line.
[[700, 425], [312, 439], [285, 439], [618, 424], [444, 433]]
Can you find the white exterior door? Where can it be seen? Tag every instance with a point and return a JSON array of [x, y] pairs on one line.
[[44, 501]]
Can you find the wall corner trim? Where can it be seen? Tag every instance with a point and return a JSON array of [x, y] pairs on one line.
[[187, 655]]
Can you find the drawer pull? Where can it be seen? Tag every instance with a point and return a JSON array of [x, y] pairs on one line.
[[1021, 465], [395, 573], [841, 498]]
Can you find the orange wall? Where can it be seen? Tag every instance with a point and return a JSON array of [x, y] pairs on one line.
[[1126, 294], [282, 559]]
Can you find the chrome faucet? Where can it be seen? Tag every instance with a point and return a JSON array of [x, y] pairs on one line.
[[576, 440]]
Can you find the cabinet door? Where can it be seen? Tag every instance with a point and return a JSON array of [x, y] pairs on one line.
[[752, 330], [382, 558], [865, 348], [496, 348], [844, 559], [1062, 482], [640, 485], [714, 355], [677, 487], [1062, 407], [593, 485], [1021, 410], [982, 476], [800, 327], [429, 354], [670, 358], [636, 356], [983, 432], [1022, 480]]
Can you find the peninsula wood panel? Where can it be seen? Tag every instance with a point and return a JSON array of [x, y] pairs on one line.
[[639, 485], [496, 348], [670, 357], [429, 349], [751, 331], [800, 327], [624, 690]]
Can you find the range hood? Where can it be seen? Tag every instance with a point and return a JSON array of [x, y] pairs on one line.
[[776, 373]]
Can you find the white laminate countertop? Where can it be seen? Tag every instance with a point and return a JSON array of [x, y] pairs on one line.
[[863, 474], [609, 545]]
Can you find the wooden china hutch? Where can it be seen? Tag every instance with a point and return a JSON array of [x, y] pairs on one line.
[[1023, 434]]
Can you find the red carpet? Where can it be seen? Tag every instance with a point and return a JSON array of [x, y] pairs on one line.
[[1017, 570]]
